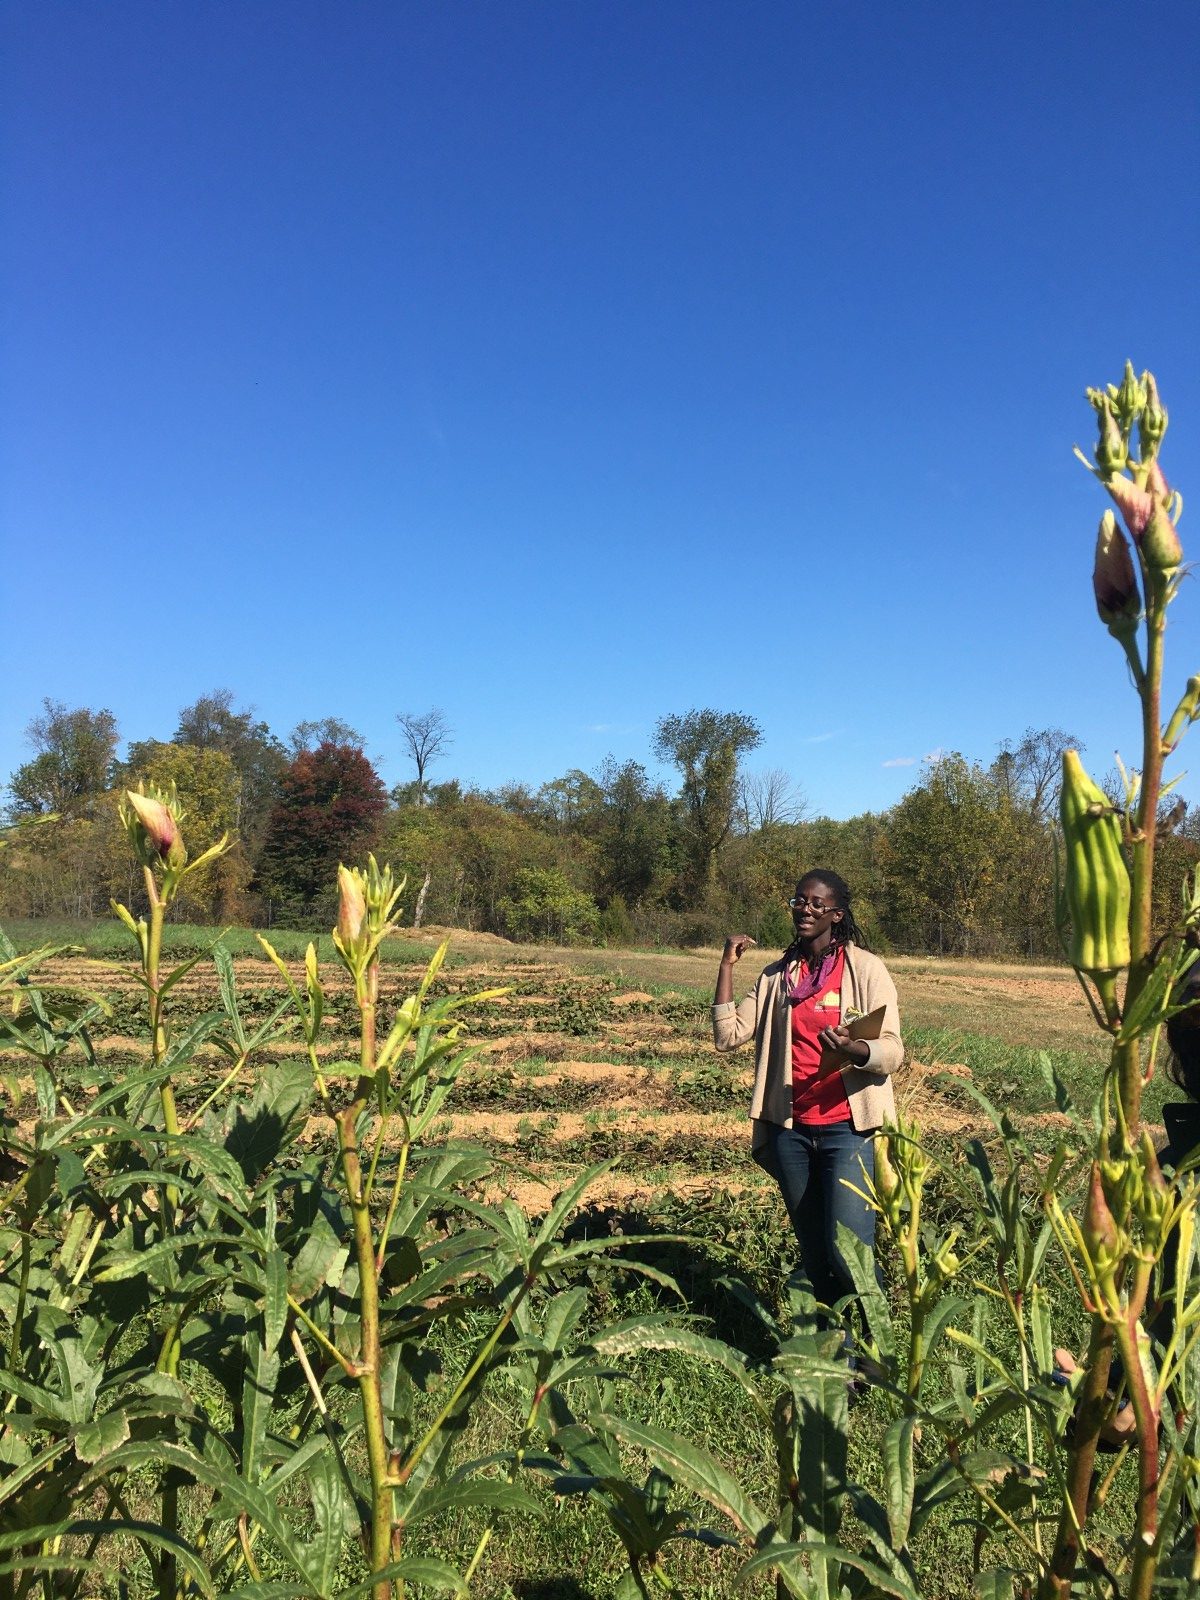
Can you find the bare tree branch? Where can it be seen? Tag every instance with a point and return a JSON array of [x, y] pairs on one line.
[[427, 735], [769, 799]]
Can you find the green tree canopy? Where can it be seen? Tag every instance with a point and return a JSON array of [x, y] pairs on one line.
[[72, 765], [212, 723], [209, 790], [707, 747], [953, 844], [307, 735]]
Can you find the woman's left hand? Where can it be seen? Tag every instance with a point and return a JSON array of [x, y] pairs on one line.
[[858, 1050]]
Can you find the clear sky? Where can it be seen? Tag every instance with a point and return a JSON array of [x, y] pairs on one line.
[[569, 364]]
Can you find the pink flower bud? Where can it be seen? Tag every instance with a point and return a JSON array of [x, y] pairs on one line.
[[1099, 1229], [159, 829], [1157, 484], [1134, 504], [1156, 1184], [1113, 578], [1161, 548], [352, 907]]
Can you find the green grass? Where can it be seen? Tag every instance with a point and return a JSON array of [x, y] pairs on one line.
[[110, 941]]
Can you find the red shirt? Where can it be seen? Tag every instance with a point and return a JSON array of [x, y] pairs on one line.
[[818, 1098]]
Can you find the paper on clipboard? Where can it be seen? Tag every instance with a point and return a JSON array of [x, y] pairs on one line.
[[868, 1027]]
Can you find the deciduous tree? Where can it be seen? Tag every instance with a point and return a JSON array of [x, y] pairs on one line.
[[634, 841], [212, 723], [707, 747], [308, 735], [330, 803], [427, 735], [951, 845], [1031, 769], [768, 799], [209, 790], [72, 763]]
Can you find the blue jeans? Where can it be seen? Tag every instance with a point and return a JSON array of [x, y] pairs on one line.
[[809, 1165]]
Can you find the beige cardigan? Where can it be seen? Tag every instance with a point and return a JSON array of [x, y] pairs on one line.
[[764, 1017]]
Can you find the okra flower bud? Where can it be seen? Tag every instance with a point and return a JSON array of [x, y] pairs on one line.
[[352, 905], [382, 893], [153, 830], [945, 1262], [366, 900], [1097, 879], [1153, 423], [1112, 451], [1099, 1230], [1113, 580], [887, 1179], [1134, 504], [1157, 484], [1155, 1198], [1129, 399], [1161, 548]]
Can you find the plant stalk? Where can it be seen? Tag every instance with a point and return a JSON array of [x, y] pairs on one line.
[[1128, 1059], [370, 1386]]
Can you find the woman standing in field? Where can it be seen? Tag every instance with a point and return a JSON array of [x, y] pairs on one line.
[[819, 1092]]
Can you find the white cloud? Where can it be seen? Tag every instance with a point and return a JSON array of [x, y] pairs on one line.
[[901, 761], [934, 755], [818, 738]]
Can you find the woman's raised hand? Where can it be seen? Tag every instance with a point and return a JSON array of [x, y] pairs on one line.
[[735, 948]]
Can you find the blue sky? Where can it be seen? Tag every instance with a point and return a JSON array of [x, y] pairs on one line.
[[566, 365]]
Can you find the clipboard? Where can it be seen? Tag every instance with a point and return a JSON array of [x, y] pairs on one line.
[[868, 1027]]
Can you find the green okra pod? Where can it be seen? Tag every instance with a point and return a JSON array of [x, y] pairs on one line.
[[1097, 878]]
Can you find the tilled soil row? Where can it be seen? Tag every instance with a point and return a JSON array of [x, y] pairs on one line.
[[655, 1095]]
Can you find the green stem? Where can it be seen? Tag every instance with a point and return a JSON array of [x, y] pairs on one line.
[[172, 1345], [168, 1579], [370, 1385], [195, 1117], [1016, 1307], [910, 1255], [513, 1471], [350, 1368], [158, 1043], [18, 1188], [1145, 1543], [916, 1349], [464, 1383], [386, 1232], [1069, 1542], [1140, 934], [14, 1354]]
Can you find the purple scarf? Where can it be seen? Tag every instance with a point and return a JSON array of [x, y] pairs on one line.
[[812, 979]]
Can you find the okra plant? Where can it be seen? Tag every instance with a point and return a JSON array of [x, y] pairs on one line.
[[1052, 1512], [981, 1419], [236, 1361]]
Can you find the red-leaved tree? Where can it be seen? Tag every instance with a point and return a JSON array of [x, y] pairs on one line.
[[330, 802]]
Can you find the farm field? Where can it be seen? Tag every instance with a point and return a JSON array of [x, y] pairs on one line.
[[593, 1055], [608, 1054]]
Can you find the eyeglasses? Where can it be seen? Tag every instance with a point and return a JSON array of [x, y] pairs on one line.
[[800, 902]]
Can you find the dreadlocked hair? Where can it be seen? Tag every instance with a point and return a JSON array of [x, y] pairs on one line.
[[847, 931]]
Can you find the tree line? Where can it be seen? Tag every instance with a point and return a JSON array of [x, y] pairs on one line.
[[962, 864]]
